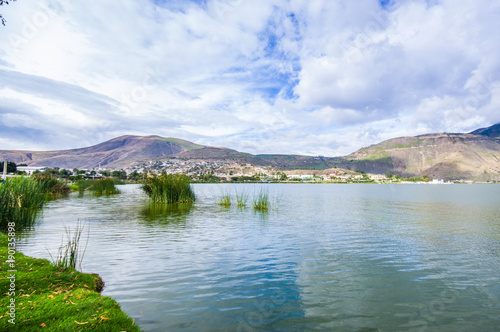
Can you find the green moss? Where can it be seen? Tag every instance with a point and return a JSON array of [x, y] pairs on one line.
[[56, 299]]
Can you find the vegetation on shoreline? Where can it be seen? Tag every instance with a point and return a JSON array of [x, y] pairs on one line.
[[52, 298], [168, 188], [51, 185], [21, 201]]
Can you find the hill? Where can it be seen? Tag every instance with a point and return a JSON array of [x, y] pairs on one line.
[[493, 131], [127, 151], [116, 153], [474, 156]]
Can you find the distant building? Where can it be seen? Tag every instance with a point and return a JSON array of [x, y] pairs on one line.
[[31, 169]]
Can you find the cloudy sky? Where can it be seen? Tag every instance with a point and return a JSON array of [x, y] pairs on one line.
[[315, 77]]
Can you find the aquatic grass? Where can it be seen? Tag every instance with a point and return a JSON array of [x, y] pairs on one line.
[[21, 201], [241, 199], [169, 188], [225, 200], [103, 187], [69, 254], [51, 185], [261, 202], [83, 185]]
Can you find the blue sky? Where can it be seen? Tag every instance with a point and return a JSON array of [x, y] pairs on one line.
[[310, 77]]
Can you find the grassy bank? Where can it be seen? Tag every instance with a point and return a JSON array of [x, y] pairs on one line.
[[51, 298]]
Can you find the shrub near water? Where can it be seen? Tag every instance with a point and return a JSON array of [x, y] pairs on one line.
[[169, 188], [21, 200]]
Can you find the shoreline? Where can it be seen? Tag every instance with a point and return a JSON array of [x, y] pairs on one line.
[[42, 295]]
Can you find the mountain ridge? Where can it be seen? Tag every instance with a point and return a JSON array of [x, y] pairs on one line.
[[450, 156]]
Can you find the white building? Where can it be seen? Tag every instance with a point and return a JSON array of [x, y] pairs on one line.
[[31, 169]]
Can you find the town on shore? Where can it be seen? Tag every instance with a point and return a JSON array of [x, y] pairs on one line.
[[220, 171]]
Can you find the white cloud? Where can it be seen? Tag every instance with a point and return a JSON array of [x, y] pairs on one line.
[[281, 76]]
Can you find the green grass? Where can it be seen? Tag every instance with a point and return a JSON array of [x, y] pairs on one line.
[[261, 202], [103, 187], [225, 200], [168, 188], [52, 298], [21, 201]]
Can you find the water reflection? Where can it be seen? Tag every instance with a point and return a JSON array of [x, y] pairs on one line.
[[332, 257], [166, 213]]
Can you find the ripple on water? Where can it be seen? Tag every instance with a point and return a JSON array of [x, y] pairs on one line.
[[326, 257]]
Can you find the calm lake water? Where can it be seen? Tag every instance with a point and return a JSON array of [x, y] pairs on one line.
[[325, 257]]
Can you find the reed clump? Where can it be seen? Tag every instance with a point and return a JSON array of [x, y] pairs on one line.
[[103, 187], [69, 254], [169, 188], [225, 201], [83, 185], [261, 202], [51, 185], [21, 201], [241, 199]]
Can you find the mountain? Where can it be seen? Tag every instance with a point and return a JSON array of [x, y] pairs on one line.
[[473, 156], [116, 153], [127, 151], [493, 131]]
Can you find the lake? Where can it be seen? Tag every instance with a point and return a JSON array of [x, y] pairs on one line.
[[327, 257]]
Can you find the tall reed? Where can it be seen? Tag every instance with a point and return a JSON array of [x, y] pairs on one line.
[[261, 202], [21, 200], [51, 185], [241, 199], [104, 187], [168, 188], [83, 185], [69, 254], [225, 200]]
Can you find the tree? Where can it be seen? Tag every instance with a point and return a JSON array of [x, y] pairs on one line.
[[4, 2], [11, 167]]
